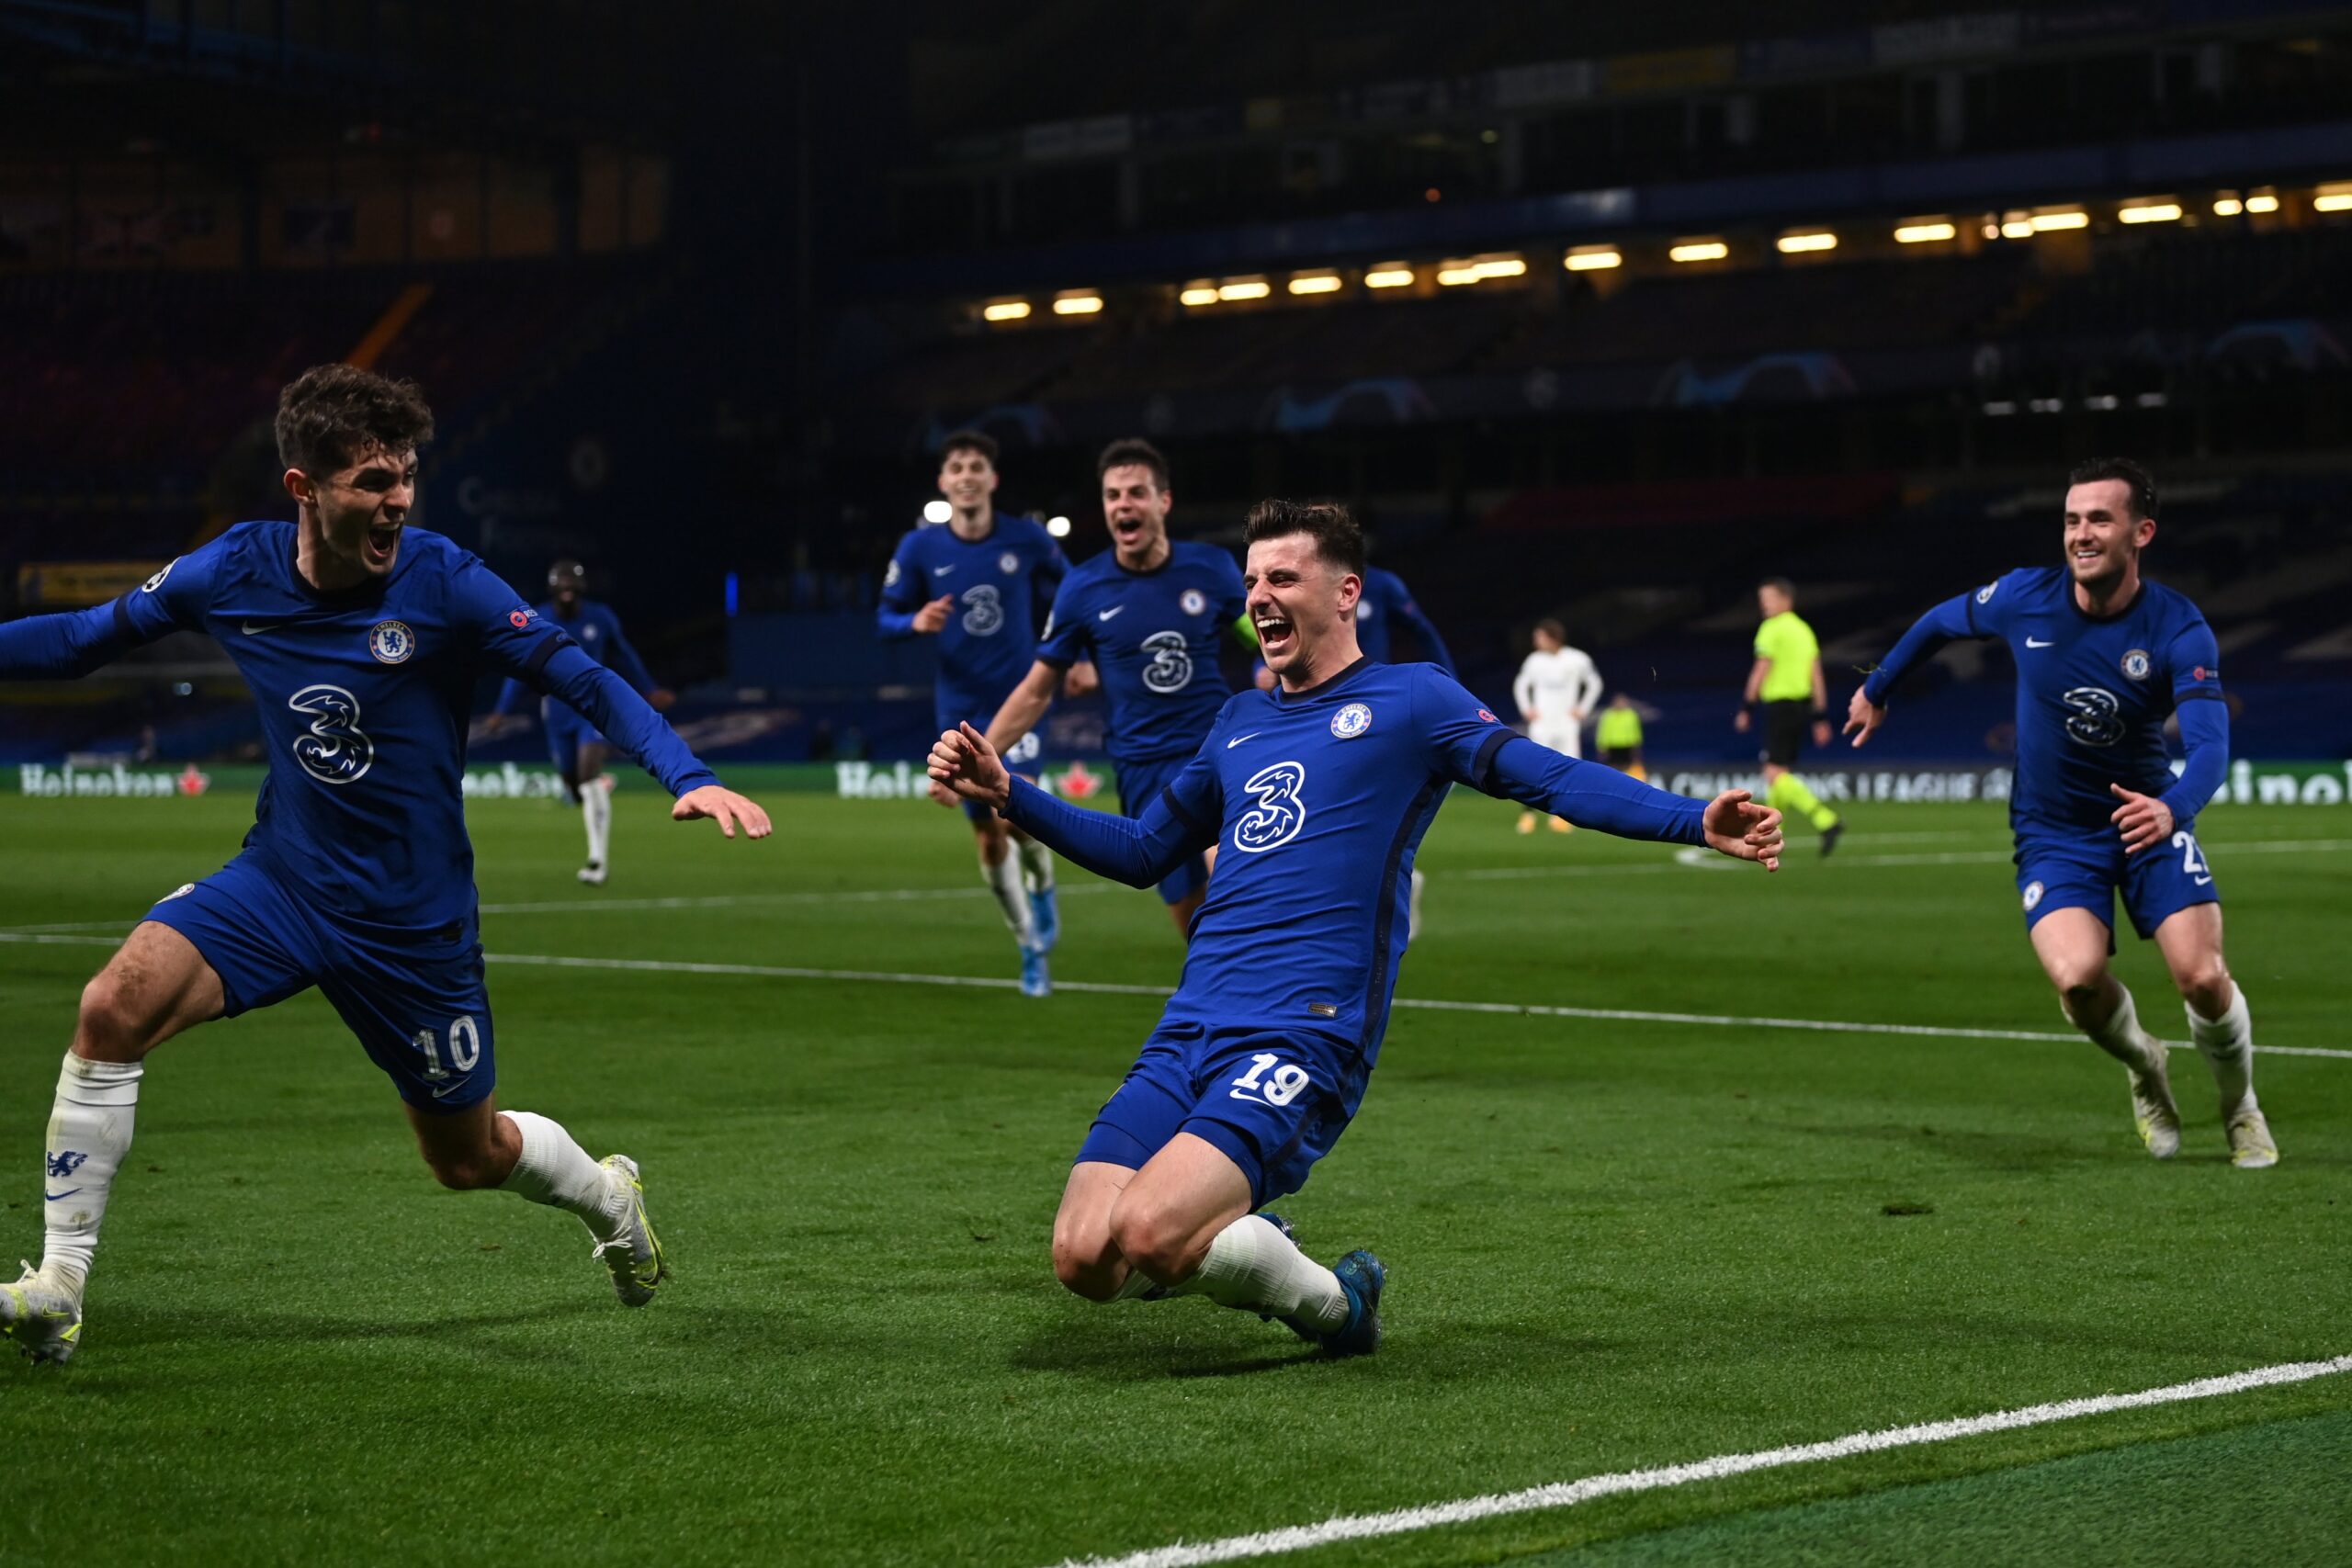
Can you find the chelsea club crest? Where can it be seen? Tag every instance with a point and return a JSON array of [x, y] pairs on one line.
[[1008, 563], [391, 642], [2135, 664], [1351, 721], [1194, 601]]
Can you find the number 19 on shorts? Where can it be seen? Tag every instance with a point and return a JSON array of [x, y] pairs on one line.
[[1287, 1079]]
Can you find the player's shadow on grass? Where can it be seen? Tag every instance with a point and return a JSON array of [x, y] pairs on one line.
[[471, 1332], [1999, 1151], [1131, 1353]]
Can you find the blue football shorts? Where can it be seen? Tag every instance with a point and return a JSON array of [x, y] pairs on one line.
[[567, 732], [417, 1000], [2085, 870], [1140, 784], [1273, 1103]]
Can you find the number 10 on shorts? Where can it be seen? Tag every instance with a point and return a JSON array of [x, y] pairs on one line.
[[1280, 1090]]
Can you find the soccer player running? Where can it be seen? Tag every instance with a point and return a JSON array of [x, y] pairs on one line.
[[362, 636], [2103, 655], [1786, 680], [1150, 613], [574, 745], [977, 584], [1319, 794], [1555, 688]]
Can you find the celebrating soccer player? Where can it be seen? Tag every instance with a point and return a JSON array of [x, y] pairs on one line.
[[1786, 680], [576, 749], [2103, 655], [361, 637], [1150, 613], [1319, 795], [1555, 689], [977, 584]]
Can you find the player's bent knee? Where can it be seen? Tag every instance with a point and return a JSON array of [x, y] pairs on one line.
[[116, 1018], [469, 1172], [1161, 1241]]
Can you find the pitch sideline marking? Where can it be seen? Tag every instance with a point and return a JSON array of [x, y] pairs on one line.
[[1113, 989], [1568, 1494]]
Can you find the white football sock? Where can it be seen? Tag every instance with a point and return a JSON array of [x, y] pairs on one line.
[[1004, 880], [597, 812], [556, 1172], [2120, 1036], [1038, 862], [1134, 1288], [1252, 1264], [89, 1131], [2227, 1045]]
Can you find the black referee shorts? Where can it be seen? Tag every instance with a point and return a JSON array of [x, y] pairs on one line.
[[1785, 724]]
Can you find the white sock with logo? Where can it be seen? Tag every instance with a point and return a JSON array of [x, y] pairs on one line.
[[2227, 1045], [597, 812], [1004, 880], [556, 1172], [1252, 1264], [1038, 862], [89, 1131]]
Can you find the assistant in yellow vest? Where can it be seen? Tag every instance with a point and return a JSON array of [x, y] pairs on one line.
[[1786, 685]]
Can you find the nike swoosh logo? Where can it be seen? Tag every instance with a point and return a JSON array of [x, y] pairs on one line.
[[1240, 738], [54, 1197], [252, 628], [445, 1090], [941, 571], [2031, 642], [1106, 614]]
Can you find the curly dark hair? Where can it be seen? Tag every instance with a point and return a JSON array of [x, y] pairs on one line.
[[331, 415], [1337, 539], [978, 441], [2136, 478]]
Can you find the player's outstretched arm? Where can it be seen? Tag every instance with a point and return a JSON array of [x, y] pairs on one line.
[[1137, 852], [723, 806], [67, 646], [1024, 707], [1949, 622]]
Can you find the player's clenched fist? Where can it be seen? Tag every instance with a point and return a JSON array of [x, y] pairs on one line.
[[933, 616], [1737, 827], [963, 759]]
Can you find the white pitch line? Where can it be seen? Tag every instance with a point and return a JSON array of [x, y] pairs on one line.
[[1112, 988], [1569, 1493]]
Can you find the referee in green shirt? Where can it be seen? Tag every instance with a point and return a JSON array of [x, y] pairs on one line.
[[1787, 685]]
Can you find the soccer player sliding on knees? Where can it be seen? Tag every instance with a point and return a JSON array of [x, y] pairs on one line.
[[361, 637], [1316, 794], [2103, 657]]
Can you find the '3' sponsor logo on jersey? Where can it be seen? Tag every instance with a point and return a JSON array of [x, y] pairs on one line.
[[1170, 669], [2096, 720], [335, 750], [1279, 814], [983, 611]]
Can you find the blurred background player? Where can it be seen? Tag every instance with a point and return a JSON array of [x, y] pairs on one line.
[[573, 745], [1323, 790], [2103, 658], [1151, 614], [979, 583], [1556, 686], [1787, 683], [1618, 733]]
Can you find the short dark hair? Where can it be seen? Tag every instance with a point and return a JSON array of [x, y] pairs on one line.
[[978, 441], [2141, 483], [1557, 632], [1333, 526], [1781, 586], [332, 415], [1133, 450]]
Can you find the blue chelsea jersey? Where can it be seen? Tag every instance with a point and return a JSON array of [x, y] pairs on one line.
[[364, 698], [2092, 692], [1319, 800], [1001, 584], [1155, 636]]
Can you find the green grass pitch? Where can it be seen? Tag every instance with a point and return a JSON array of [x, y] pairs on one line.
[[1614, 1244]]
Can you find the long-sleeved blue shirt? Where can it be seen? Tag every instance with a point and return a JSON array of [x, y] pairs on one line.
[[364, 698], [2093, 695], [1317, 802]]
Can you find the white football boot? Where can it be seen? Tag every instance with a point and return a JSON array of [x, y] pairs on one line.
[[2251, 1145], [44, 1319], [2152, 1111], [634, 1255]]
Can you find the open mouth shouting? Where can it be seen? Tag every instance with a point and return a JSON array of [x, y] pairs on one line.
[[1277, 637], [382, 546]]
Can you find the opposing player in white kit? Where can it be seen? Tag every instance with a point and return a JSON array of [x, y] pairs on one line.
[[1555, 689]]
